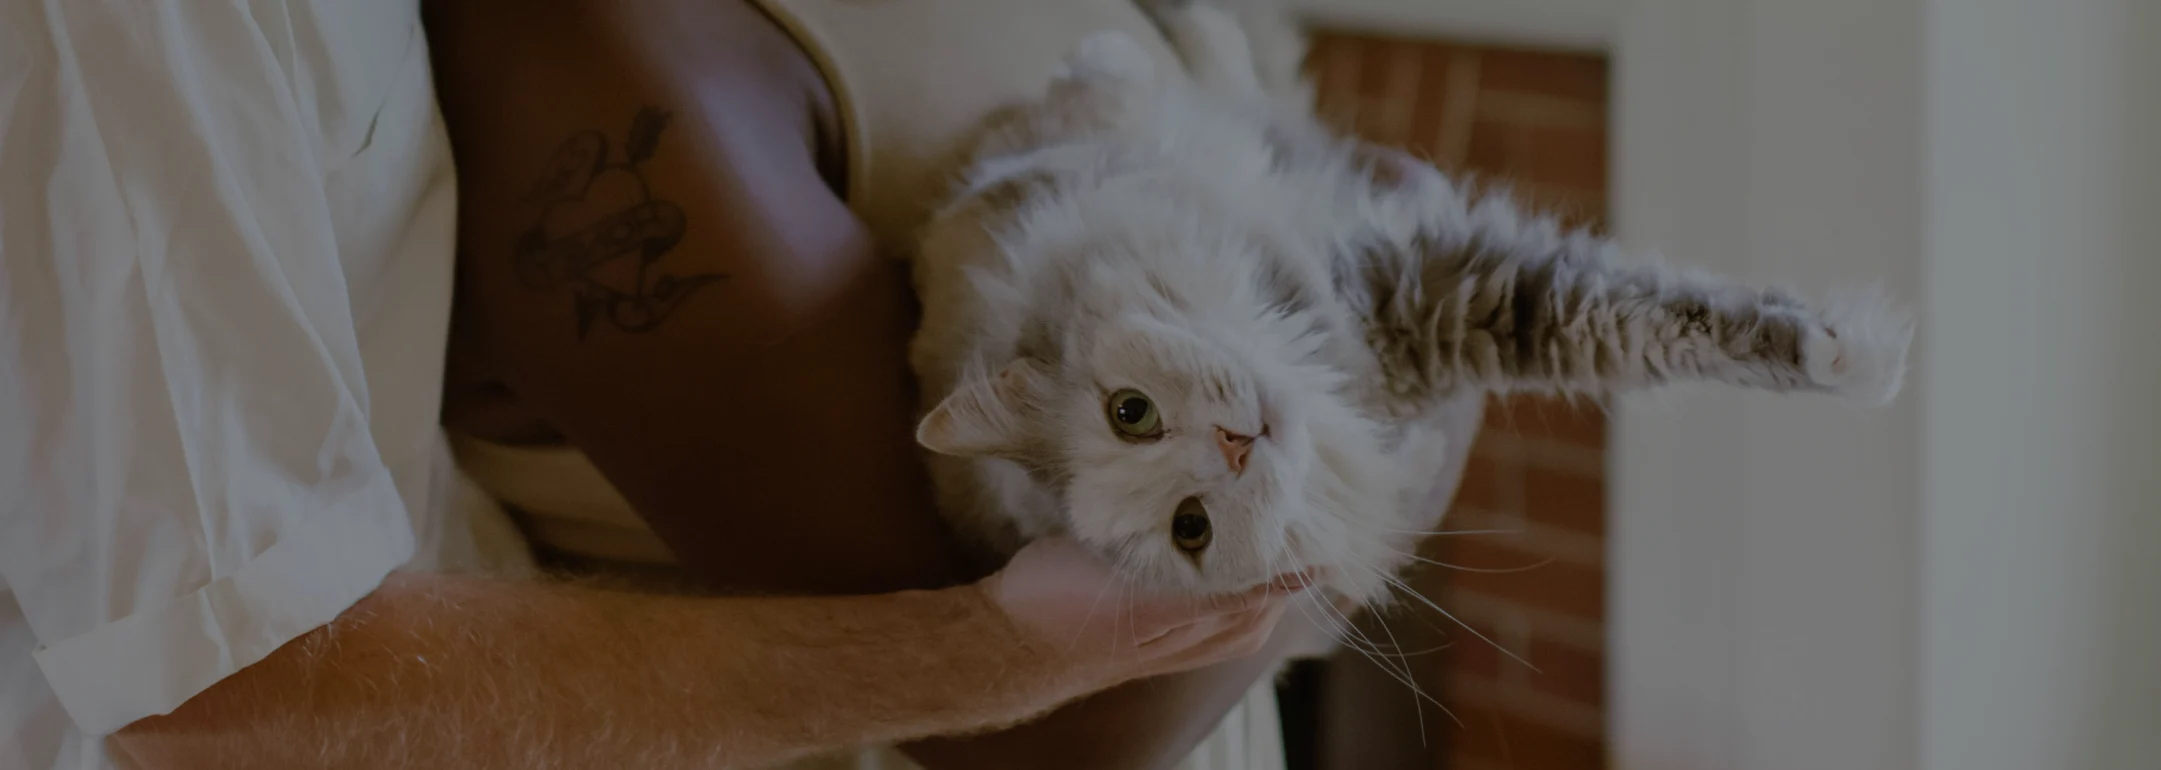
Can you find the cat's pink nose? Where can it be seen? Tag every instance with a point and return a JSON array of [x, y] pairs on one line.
[[1234, 448]]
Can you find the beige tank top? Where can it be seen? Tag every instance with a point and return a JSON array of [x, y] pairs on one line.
[[913, 80]]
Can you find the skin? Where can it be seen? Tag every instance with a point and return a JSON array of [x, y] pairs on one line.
[[439, 671], [780, 389]]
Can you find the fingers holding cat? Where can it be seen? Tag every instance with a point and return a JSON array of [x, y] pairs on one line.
[[1100, 631], [1224, 637]]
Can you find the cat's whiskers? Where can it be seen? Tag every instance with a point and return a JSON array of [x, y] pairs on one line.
[[1356, 640], [1405, 588], [1477, 570], [1349, 630], [1331, 627], [1406, 664], [1441, 532], [1350, 636], [1401, 671], [1090, 617], [1117, 614], [1133, 626]]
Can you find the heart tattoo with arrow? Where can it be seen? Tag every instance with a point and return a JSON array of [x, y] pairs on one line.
[[602, 233]]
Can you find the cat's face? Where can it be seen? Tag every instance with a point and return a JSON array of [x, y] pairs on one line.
[[1186, 459], [1174, 456], [1173, 401]]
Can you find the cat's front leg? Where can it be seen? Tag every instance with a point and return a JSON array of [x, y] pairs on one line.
[[1461, 293], [1492, 311]]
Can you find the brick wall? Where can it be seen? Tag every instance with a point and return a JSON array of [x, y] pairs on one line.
[[1536, 121]]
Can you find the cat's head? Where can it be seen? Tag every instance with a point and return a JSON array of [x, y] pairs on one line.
[[1170, 387]]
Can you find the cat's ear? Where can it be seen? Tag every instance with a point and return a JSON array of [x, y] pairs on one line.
[[985, 416]]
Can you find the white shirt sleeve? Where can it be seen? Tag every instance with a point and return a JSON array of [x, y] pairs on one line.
[[188, 477]]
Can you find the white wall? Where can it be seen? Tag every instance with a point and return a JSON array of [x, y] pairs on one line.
[[1968, 581], [1764, 587], [2041, 624]]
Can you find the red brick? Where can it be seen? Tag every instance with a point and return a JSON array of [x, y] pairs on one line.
[[1544, 137], [1416, 69], [1482, 484], [1375, 65], [1562, 587], [1565, 500], [1570, 76], [1567, 671], [1581, 424], [1500, 738], [1511, 551], [1519, 110], [1335, 62], [1469, 694], [1493, 441], [1561, 157], [1429, 121], [1468, 655]]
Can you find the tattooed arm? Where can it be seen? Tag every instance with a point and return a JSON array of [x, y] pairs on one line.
[[652, 262]]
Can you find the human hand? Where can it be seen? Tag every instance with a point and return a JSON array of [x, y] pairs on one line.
[[1100, 631]]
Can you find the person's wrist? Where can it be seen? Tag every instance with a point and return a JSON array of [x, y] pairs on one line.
[[1029, 670], [1037, 664]]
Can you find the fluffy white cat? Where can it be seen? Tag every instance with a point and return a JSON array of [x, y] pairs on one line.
[[1173, 316]]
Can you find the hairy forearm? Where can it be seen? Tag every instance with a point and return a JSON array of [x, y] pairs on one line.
[[438, 671], [1148, 724]]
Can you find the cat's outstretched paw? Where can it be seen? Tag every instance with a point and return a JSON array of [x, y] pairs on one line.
[[1860, 350], [1111, 55]]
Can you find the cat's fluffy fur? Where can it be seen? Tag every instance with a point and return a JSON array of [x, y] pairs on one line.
[[1199, 237]]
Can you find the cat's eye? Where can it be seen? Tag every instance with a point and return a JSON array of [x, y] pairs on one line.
[[1189, 526], [1134, 416]]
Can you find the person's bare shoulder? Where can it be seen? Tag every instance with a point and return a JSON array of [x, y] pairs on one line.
[[548, 106], [653, 262], [514, 76]]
